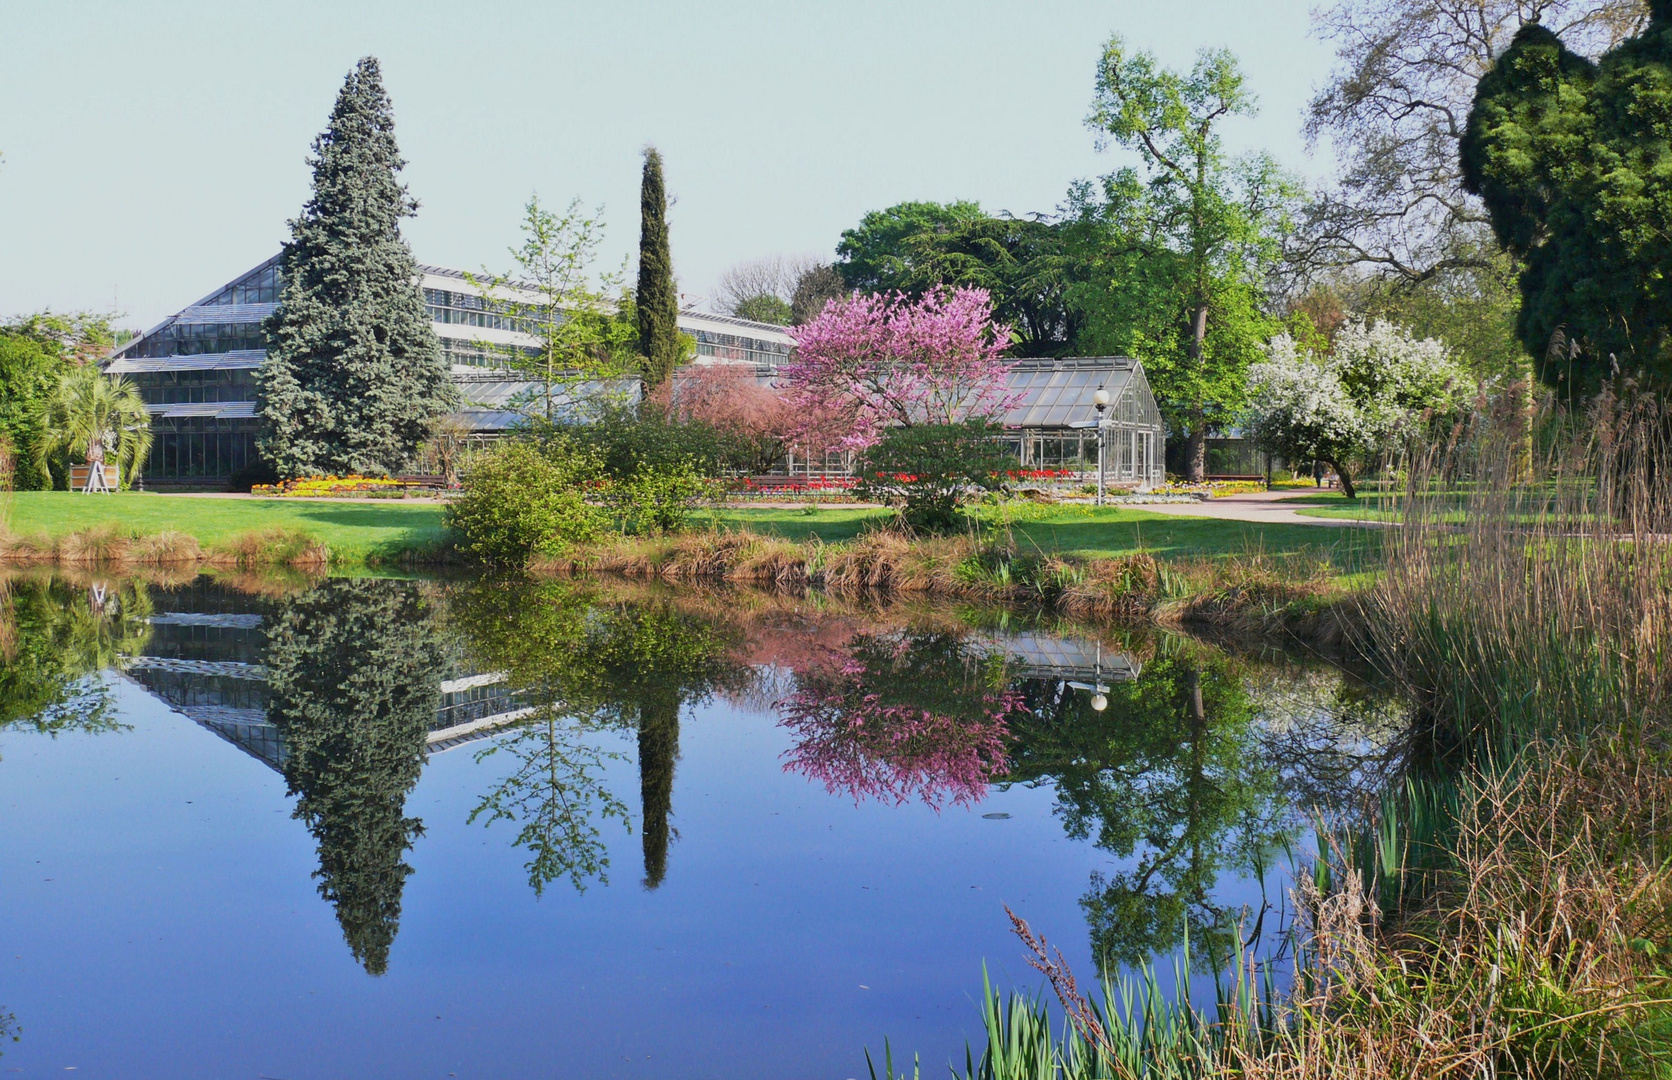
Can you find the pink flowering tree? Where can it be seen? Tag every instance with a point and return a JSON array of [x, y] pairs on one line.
[[879, 361], [899, 718]]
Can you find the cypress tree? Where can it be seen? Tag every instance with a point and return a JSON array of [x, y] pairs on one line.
[[353, 370], [660, 348]]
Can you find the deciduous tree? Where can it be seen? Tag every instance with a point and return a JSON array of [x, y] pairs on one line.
[[1393, 112], [1180, 247], [890, 360], [1378, 385]]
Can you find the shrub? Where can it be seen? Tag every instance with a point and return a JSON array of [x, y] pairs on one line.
[[929, 470], [657, 500], [521, 500]]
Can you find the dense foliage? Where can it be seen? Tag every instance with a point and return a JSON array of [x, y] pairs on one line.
[[1391, 112], [97, 419], [1182, 244], [927, 471], [660, 345], [522, 500], [28, 373], [1571, 159], [1024, 264], [35, 352], [353, 375]]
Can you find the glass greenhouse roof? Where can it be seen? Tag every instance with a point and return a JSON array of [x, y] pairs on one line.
[[1057, 393]]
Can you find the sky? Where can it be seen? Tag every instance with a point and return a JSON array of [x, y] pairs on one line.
[[153, 151]]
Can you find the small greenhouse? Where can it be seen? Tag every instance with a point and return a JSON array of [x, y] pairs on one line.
[[1054, 428]]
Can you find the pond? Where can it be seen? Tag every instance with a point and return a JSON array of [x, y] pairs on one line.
[[485, 828]]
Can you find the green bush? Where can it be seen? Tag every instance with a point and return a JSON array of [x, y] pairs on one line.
[[658, 499], [629, 443], [521, 500], [929, 471]]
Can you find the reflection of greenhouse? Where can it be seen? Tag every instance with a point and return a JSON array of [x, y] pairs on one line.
[[1031, 654], [204, 660]]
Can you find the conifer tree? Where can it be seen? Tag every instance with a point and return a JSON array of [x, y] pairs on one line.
[[660, 346], [353, 373]]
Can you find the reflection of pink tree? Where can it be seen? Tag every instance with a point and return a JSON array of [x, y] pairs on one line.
[[896, 732], [880, 361]]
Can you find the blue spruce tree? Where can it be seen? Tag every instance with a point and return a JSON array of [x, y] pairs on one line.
[[353, 372]]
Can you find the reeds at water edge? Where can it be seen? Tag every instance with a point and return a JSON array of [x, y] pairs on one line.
[[1506, 909]]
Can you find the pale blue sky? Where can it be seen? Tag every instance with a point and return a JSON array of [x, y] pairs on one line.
[[154, 150]]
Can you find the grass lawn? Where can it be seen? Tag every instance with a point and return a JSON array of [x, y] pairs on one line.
[[382, 530], [353, 531], [1099, 533]]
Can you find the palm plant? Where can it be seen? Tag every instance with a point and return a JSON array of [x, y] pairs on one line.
[[95, 416]]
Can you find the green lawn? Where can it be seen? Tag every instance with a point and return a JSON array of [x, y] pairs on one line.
[[381, 530], [353, 531], [1097, 533]]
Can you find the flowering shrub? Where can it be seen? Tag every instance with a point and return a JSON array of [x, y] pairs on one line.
[[867, 363], [327, 487]]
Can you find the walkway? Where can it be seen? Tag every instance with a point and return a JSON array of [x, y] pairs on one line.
[[1266, 507]]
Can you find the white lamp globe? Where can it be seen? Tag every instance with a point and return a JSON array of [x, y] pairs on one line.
[[1101, 398], [1099, 702]]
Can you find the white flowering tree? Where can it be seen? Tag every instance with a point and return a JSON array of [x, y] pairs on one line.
[[1378, 385]]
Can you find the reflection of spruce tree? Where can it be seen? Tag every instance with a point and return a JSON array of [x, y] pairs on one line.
[[353, 670], [1168, 773], [658, 751]]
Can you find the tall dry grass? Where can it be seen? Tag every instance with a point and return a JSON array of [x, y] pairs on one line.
[[1506, 911], [111, 545], [1252, 592], [1529, 582]]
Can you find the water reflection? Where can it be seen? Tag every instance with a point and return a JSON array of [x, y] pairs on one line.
[[583, 665], [354, 683], [56, 637], [1199, 767], [1168, 779]]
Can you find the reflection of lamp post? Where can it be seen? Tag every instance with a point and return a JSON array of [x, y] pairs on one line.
[[1099, 701], [1100, 402]]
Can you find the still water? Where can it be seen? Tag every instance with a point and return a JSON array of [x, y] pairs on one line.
[[474, 828]]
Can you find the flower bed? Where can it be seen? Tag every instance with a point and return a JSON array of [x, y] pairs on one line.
[[1212, 489], [335, 487]]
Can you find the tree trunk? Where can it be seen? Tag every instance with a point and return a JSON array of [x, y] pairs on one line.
[[1347, 488], [1196, 451], [1196, 444]]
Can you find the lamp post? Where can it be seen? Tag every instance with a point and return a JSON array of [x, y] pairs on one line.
[[1100, 402]]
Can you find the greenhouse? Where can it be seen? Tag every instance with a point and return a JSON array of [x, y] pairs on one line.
[[1054, 428]]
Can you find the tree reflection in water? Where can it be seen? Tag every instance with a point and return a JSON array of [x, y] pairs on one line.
[[56, 639], [1169, 775], [585, 665], [902, 716], [353, 672]]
